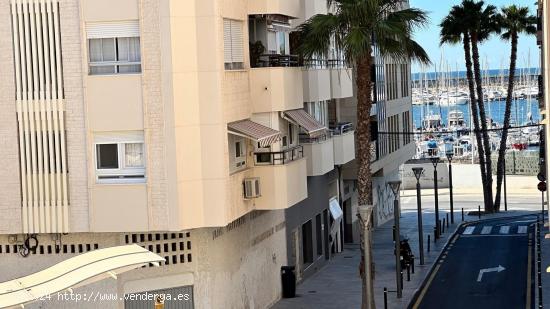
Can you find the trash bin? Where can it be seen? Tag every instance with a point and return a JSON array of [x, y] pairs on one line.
[[288, 280]]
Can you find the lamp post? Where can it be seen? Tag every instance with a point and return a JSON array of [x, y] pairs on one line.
[[417, 173], [435, 161], [449, 151], [394, 185]]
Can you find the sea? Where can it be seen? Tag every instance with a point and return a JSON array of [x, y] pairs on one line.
[[523, 111], [462, 74]]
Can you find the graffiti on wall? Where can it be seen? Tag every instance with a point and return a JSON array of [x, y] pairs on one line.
[[383, 200]]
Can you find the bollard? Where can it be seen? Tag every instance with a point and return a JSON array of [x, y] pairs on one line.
[[479, 211], [428, 242], [412, 265], [443, 227], [447, 216], [408, 273], [462, 214], [435, 234], [385, 298], [401, 277], [393, 233]]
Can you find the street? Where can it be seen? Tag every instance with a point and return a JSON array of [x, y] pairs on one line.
[[488, 264]]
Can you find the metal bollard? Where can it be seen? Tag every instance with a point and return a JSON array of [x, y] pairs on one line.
[[393, 233], [479, 211], [408, 273], [443, 227], [401, 278], [412, 266], [447, 216], [435, 234], [462, 214], [429, 242], [385, 298]]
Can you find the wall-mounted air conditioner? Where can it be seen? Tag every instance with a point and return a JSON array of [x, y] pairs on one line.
[[251, 188]]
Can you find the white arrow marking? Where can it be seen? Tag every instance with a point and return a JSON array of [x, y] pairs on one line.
[[488, 270]]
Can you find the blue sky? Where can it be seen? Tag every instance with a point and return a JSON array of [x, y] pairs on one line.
[[496, 52]]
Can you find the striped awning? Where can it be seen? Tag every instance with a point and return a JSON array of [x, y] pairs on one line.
[[309, 124], [74, 272], [265, 136]]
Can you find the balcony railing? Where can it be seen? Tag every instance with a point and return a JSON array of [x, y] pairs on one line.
[[306, 139], [324, 63], [341, 128], [279, 157], [276, 60]]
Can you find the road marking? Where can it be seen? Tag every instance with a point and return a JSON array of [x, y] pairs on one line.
[[495, 235], [504, 229], [497, 269], [486, 230], [528, 298], [419, 300], [522, 229], [469, 230]]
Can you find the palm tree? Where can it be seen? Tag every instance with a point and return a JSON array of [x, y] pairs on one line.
[[454, 30], [513, 21], [353, 28], [482, 23]]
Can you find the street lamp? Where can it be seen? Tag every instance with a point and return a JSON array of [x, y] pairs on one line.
[[394, 185], [449, 151], [417, 173], [435, 161]]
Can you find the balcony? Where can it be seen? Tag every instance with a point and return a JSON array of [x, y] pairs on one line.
[[316, 81], [344, 143], [276, 84], [283, 178], [281, 7], [341, 84], [319, 153]]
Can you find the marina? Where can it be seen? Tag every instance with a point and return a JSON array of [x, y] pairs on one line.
[[442, 113]]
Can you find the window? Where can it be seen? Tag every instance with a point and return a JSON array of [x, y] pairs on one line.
[[281, 42], [291, 133], [120, 161], [233, 53], [114, 55], [237, 152]]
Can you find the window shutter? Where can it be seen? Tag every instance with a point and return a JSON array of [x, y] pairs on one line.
[[112, 29], [227, 55], [237, 41]]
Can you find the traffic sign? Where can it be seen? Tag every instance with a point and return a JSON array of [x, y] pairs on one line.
[[541, 186]]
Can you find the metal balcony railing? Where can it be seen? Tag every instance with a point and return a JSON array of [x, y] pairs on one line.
[[276, 60], [341, 128], [279, 157], [306, 139]]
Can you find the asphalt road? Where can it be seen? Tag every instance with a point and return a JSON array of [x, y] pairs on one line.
[[489, 264]]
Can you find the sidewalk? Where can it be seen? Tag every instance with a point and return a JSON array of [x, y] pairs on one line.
[[338, 285]]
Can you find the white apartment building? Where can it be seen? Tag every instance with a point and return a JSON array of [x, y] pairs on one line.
[[186, 127]]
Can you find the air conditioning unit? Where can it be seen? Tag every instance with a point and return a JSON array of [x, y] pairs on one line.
[[251, 188]]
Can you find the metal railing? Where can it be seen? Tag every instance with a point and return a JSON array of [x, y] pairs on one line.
[[279, 157], [306, 139], [341, 128], [276, 60]]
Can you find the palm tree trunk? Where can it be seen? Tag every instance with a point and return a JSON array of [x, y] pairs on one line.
[[364, 176], [475, 118], [507, 115], [488, 183]]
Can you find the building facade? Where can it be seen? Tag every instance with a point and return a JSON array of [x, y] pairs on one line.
[[189, 128]]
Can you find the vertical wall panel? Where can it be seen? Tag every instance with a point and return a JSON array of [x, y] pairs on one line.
[[40, 115]]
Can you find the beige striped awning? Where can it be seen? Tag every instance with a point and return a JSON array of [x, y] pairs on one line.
[[265, 136], [309, 124]]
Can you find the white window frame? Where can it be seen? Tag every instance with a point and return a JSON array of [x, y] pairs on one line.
[[116, 63], [122, 170]]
